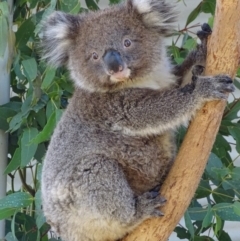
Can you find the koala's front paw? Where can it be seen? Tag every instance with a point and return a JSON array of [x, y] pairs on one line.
[[215, 87], [148, 203], [197, 70]]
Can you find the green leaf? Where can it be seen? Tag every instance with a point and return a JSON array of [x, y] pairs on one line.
[[33, 3], [232, 110], [26, 106], [236, 208], [17, 121], [49, 77], [40, 220], [10, 237], [72, 7], [202, 238], [114, 2], [13, 105], [30, 68], [222, 196], [174, 51], [39, 172], [15, 162], [41, 117], [91, 4], [5, 113], [192, 16], [190, 44], [211, 21], [188, 223], [4, 8], [13, 225], [212, 163], [208, 218], [50, 109], [3, 34], [16, 200], [45, 14], [235, 173], [224, 127], [179, 60], [6, 212], [197, 213], [235, 132], [40, 105], [204, 189], [219, 225], [221, 173], [182, 233], [237, 81], [28, 148], [221, 144], [208, 6], [231, 184], [226, 211], [24, 32], [224, 236], [40, 153], [47, 131]]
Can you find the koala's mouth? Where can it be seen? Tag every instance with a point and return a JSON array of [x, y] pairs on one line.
[[120, 76], [115, 67]]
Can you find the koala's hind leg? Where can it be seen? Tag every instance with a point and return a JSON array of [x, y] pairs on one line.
[[106, 207], [195, 57]]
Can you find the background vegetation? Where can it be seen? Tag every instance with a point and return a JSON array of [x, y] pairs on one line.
[[40, 95]]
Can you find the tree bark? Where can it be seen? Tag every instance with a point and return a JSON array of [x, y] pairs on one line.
[[5, 66], [183, 179]]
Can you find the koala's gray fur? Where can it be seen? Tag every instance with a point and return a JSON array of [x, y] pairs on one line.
[[115, 142]]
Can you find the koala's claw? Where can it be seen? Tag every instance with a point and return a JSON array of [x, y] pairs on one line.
[[205, 32], [152, 197], [157, 213], [148, 203], [225, 84], [224, 79], [215, 87]]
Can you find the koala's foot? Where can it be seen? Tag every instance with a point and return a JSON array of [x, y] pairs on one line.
[[215, 87], [201, 51], [205, 32], [148, 203]]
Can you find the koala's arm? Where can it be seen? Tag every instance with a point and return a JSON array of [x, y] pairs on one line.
[[147, 111], [195, 57]]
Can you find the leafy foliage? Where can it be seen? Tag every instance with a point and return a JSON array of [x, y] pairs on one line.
[[40, 94]]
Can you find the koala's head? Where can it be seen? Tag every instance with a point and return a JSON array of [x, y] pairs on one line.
[[109, 48]]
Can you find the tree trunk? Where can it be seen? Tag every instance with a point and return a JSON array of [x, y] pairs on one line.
[[183, 179], [5, 66]]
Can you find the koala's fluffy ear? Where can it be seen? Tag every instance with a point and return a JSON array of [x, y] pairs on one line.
[[59, 30], [157, 14]]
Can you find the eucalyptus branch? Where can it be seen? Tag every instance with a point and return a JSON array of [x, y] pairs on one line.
[[25, 185]]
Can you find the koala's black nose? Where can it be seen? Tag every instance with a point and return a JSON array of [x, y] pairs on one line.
[[113, 61]]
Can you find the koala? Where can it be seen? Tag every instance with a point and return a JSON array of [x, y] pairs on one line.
[[115, 143]]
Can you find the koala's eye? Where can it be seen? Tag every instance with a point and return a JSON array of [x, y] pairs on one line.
[[94, 55], [127, 43]]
